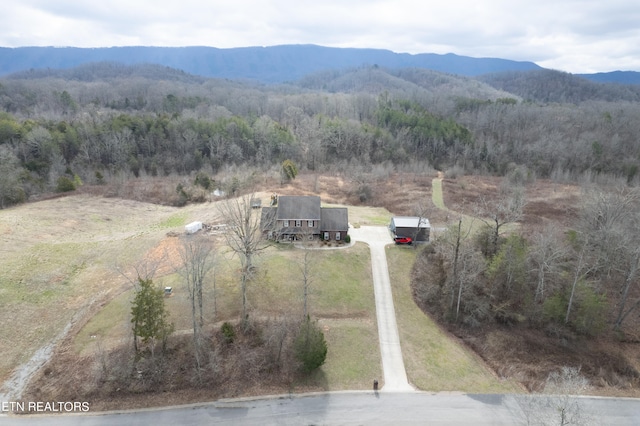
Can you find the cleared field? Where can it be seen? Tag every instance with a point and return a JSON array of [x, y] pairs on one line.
[[60, 255]]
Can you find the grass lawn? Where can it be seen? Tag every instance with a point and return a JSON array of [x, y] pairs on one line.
[[433, 359], [341, 298], [353, 356]]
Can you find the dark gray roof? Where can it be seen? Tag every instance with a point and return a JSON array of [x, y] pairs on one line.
[[334, 219], [410, 222], [268, 218], [300, 207]]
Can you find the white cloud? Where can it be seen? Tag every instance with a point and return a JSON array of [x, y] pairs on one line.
[[572, 35]]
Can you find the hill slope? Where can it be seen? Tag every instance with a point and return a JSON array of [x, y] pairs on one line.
[[559, 87]]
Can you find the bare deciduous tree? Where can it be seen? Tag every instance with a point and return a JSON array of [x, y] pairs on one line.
[[197, 260], [196, 253], [506, 209], [611, 220], [546, 253], [629, 247], [305, 264], [244, 236], [557, 405], [454, 239]]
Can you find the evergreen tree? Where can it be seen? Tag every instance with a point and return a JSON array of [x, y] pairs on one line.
[[149, 315], [310, 346]]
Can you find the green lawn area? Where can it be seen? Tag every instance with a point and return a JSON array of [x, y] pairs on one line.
[[341, 298], [353, 358], [434, 360]]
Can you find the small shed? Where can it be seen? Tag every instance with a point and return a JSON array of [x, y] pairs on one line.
[[418, 228], [193, 227]]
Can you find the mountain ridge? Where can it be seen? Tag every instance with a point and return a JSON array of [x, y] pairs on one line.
[[273, 64], [270, 64]]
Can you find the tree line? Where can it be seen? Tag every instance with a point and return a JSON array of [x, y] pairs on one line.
[[583, 278], [55, 133]]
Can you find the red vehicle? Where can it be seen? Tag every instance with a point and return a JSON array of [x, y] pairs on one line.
[[403, 240]]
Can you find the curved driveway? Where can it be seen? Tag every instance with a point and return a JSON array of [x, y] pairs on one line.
[[395, 376]]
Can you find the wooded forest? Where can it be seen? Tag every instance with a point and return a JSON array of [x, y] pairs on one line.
[[90, 124]]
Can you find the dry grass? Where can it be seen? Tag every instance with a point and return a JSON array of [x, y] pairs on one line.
[[60, 254]]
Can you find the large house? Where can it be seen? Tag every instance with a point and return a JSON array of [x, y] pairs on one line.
[[297, 217]]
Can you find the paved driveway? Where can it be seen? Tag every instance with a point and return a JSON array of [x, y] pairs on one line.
[[395, 376]]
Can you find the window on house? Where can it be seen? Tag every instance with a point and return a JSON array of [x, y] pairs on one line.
[[326, 235], [298, 223], [337, 236], [285, 223], [310, 224]]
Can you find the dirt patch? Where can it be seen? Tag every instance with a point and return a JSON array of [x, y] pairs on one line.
[[531, 355], [165, 256], [546, 201]]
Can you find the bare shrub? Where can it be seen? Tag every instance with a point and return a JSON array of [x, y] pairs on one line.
[[454, 172]]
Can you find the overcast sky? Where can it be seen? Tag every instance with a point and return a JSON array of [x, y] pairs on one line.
[[577, 36]]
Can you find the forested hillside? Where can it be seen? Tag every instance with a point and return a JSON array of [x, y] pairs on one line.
[[559, 87], [102, 121]]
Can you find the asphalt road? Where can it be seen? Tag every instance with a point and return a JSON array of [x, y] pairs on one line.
[[362, 408]]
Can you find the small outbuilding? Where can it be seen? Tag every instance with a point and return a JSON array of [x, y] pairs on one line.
[[256, 203], [418, 228], [193, 227]]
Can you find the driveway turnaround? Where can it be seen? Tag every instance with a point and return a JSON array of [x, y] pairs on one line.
[[395, 375]]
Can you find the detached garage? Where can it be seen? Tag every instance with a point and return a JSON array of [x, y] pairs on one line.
[[418, 228]]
